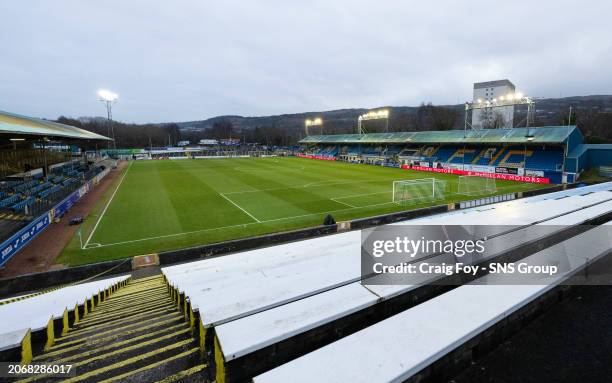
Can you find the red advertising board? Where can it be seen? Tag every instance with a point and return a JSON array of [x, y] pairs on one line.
[[500, 176], [316, 157]]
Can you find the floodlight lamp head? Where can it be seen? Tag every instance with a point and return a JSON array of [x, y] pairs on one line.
[[375, 114], [316, 121], [107, 95]]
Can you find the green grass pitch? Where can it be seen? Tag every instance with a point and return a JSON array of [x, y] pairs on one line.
[[163, 205]]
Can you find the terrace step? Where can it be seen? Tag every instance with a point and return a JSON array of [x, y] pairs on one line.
[[137, 334]]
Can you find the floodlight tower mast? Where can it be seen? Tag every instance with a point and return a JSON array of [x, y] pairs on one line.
[[373, 115], [511, 99], [109, 98]]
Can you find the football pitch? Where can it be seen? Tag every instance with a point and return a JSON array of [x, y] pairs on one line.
[[163, 205]]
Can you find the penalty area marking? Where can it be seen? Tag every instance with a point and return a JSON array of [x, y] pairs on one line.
[[343, 203], [106, 207], [239, 207], [324, 183]]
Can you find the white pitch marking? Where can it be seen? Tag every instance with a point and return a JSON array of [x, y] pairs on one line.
[[343, 203], [238, 225], [238, 206], [361, 195], [107, 205], [311, 184]]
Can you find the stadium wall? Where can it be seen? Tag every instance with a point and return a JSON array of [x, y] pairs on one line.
[[17, 241], [588, 156]]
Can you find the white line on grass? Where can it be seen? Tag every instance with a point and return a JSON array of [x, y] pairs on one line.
[[343, 203], [361, 195], [315, 184], [238, 206], [292, 187], [234, 226], [107, 205]]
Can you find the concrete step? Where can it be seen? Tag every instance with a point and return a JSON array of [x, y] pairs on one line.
[[107, 343], [95, 332], [111, 315], [155, 371], [138, 294], [119, 334], [174, 341], [195, 374], [125, 317], [127, 349], [184, 355]]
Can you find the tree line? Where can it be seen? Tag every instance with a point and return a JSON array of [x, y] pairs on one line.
[[128, 135], [594, 123]]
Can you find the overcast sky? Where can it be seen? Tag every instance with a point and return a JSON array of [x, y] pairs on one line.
[[188, 60]]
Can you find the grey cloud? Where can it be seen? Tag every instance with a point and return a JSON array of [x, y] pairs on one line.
[[185, 60]]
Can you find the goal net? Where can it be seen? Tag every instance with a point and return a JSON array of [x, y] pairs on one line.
[[409, 192], [474, 185]]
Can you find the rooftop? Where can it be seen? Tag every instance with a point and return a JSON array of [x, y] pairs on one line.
[[491, 84], [14, 124], [542, 135]]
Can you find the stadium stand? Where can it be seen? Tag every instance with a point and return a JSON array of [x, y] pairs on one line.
[[541, 150], [37, 171], [308, 295], [405, 346], [24, 198]]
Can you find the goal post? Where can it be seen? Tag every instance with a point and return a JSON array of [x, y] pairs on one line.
[[475, 185], [407, 192]]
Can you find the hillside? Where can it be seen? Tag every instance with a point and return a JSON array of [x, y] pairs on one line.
[[593, 113]]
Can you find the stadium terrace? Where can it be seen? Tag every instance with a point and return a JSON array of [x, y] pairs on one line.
[[555, 153]]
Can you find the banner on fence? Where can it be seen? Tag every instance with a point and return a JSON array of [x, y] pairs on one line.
[[481, 168], [501, 176], [101, 175], [473, 168], [505, 170], [66, 204], [534, 173], [316, 157], [22, 237]]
